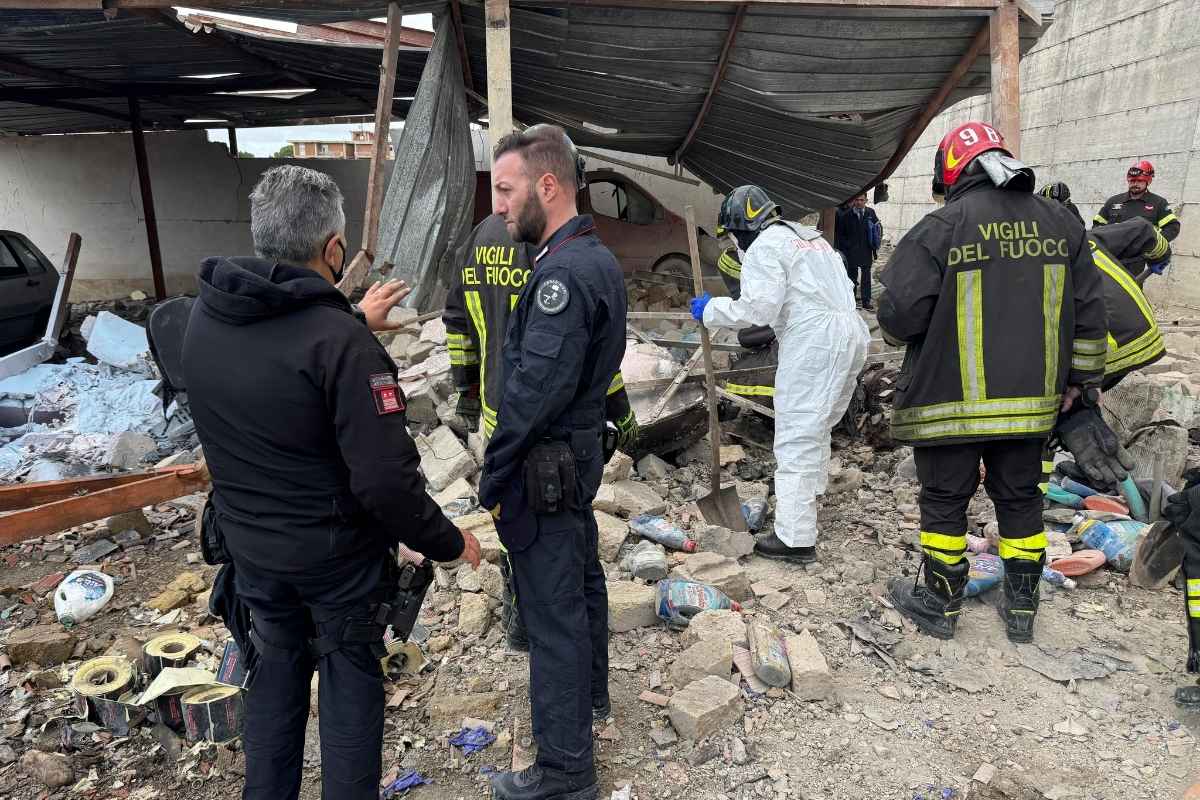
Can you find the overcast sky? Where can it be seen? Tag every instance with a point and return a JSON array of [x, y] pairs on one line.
[[265, 141]]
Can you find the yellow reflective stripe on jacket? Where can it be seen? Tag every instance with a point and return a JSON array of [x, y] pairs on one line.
[[1100, 219], [1141, 350], [1161, 245], [617, 384], [945, 547], [1125, 280], [1145, 347], [1167, 220], [982, 409], [750, 391], [512, 301], [1052, 298], [970, 334], [462, 350], [474, 303], [1030, 547], [729, 265], [1031, 426]]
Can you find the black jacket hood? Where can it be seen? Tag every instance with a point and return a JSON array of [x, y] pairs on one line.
[[244, 290]]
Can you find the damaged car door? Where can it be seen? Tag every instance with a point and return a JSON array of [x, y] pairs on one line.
[[27, 285]]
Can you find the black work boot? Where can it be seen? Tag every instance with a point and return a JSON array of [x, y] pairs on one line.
[[539, 783], [601, 708], [770, 546], [936, 606], [1019, 602], [1189, 696]]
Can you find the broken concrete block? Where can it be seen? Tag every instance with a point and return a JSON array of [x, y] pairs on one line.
[[421, 402], [192, 582], [127, 450], [434, 331], [633, 498], [407, 317], [45, 645], [846, 480], [720, 624], [706, 657], [476, 445], [53, 770], [811, 679], [129, 521], [398, 349], [654, 468], [731, 454], [618, 468], [169, 600], [455, 491], [474, 614], [716, 570], [120, 343], [731, 544], [1138, 400], [491, 580], [858, 572], [443, 458], [467, 579], [449, 709], [1163, 442], [704, 707], [418, 351], [484, 528], [613, 532], [605, 500], [630, 605]]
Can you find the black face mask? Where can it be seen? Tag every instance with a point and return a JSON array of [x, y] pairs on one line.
[[745, 238], [337, 274]]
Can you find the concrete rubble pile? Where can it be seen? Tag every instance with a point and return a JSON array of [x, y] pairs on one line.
[[77, 418]]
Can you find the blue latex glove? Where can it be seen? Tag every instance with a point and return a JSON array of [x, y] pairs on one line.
[[1160, 267], [698, 305]]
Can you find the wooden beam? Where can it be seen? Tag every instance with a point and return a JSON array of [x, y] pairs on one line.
[[1005, 34], [639, 167], [231, 133], [828, 224], [933, 105], [66, 105], [143, 171], [718, 76], [464, 55], [16, 67], [499, 71]]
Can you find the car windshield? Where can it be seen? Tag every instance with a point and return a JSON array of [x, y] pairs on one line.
[[9, 266], [611, 199]]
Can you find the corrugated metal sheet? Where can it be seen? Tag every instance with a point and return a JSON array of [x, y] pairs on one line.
[[813, 103]]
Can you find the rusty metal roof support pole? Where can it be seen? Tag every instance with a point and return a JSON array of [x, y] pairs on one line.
[[143, 171], [460, 39], [934, 104], [828, 224], [231, 133], [718, 76], [361, 264], [499, 71], [1005, 28]]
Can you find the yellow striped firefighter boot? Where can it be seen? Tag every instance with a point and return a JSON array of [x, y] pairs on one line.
[[1019, 602], [936, 606]]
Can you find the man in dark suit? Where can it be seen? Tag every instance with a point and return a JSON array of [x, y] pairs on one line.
[[854, 239]]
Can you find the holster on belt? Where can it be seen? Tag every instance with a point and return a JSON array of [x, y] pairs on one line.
[[212, 541], [401, 610], [550, 482]]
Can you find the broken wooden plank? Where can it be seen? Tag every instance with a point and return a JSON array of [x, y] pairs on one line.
[[676, 382]]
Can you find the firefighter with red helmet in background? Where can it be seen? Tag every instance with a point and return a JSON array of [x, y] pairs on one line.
[[1139, 201], [1001, 310]]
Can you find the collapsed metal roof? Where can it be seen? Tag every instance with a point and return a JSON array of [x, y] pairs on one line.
[[811, 102]]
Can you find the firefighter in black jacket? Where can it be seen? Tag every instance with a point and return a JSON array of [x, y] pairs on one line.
[[544, 462], [315, 479], [478, 307], [762, 347], [1002, 312], [1139, 201]]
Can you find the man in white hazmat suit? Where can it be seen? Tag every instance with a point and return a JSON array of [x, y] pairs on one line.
[[793, 281]]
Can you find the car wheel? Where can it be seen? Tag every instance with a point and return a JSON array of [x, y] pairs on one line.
[[674, 265]]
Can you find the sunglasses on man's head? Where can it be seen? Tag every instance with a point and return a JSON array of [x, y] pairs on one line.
[[1136, 172]]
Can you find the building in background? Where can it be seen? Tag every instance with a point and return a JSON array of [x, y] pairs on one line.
[[1106, 86], [358, 146]]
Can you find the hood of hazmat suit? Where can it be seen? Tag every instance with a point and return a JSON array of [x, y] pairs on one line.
[[795, 282]]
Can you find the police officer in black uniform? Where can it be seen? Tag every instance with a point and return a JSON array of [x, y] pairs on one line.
[[315, 480], [479, 305], [543, 464]]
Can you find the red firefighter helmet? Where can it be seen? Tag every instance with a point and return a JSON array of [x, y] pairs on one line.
[[959, 148], [1142, 169]]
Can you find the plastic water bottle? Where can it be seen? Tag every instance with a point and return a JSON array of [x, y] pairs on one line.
[[647, 561], [1116, 539], [657, 529], [1056, 578], [679, 600], [768, 654], [81, 595], [755, 512]]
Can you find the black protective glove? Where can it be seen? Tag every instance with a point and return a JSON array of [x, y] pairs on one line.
[[1096, 448], [469, 407], [1183, 508]]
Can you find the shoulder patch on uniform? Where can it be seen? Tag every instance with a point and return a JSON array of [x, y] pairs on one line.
[[388, 399], [552, 296]]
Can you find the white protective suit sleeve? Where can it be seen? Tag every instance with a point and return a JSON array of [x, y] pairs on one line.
[[764, 286]]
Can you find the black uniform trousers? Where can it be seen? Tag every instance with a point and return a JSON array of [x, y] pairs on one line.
[[287, 610], [860, 276], [949, 476], [560, 589]]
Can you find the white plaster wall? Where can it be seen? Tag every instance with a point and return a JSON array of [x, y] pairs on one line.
[[1110, 82], [53, 185]]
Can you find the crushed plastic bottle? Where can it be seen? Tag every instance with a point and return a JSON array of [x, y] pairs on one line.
[[987, 570], [80, 595], [647, 561], [1056, 578], [679, 600], [657, 529], [1116, 539], [754, 510], [1057, 494], [768, 654]]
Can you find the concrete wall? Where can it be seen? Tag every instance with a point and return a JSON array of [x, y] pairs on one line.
[[53, 185], [1110, 82]]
